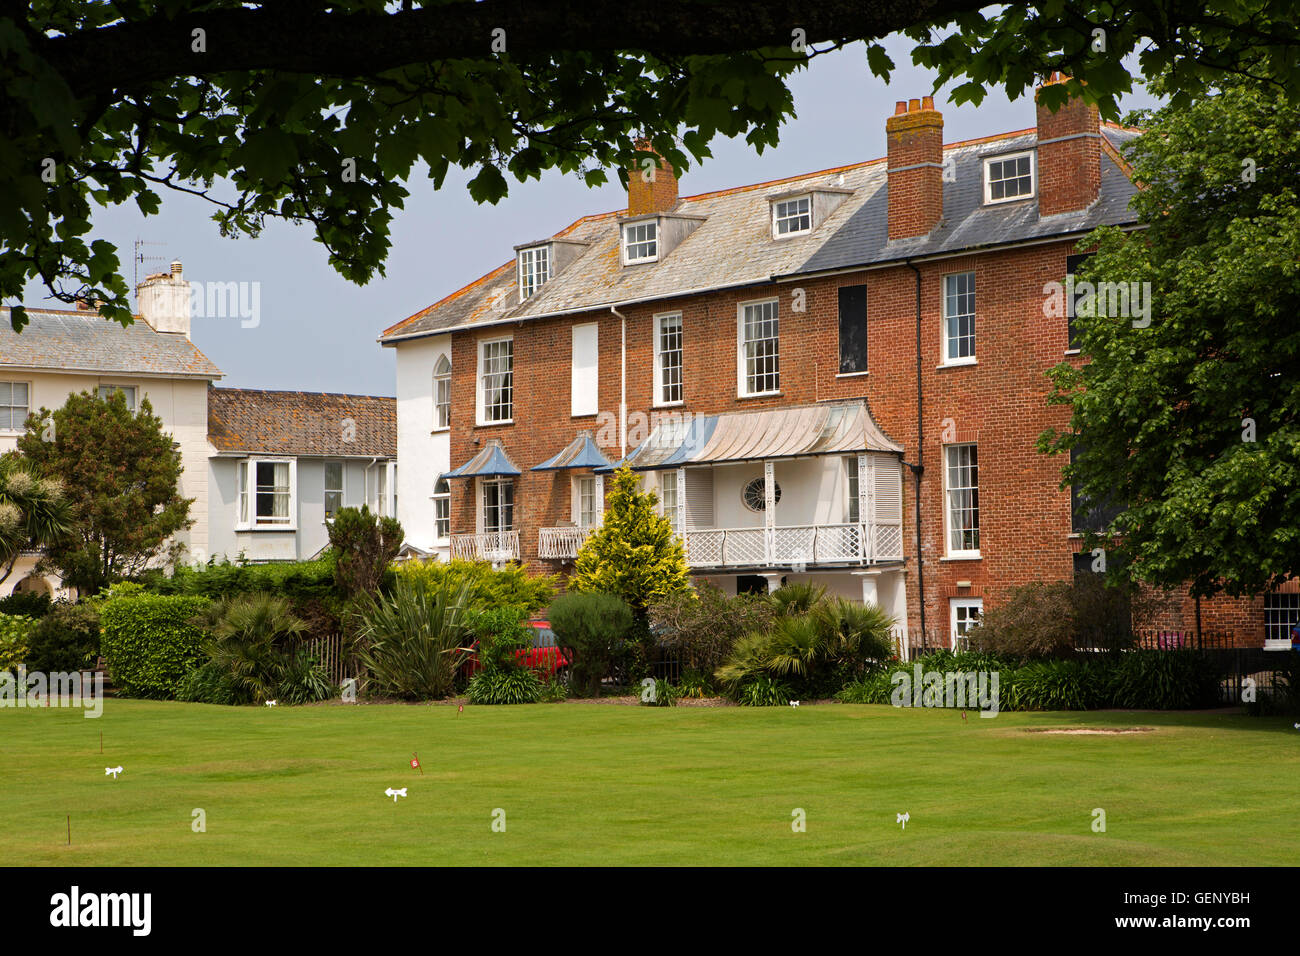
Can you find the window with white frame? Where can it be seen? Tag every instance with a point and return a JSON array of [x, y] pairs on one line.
[[385, 500], [496, 381], [267, 493], [961, 485], [441, 509], [442, 393], [668, 359], [15, 399], [668, 497], [964, 614], [128, 393], [333, 487], [959, 318], [534, 270], [791, 217], [1008, 177], [851, 510], [760, 354], [586, 513], [640, 242], [498, 505], [1281, 614]]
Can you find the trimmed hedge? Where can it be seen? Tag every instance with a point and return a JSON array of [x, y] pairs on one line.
[[297, 579], [1132, 680], [150, 642]]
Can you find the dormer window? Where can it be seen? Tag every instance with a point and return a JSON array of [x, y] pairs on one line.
[[534, 270], [1008, 177], [640, 242], [791, 217]]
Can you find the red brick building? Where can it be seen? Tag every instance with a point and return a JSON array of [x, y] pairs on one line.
[[839, 377]]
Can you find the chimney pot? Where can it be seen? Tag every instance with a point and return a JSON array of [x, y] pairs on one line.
[[915, 168], [176, 268], [927, 102], [658, 194]]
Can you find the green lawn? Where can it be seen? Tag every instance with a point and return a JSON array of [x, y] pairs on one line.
[[582, 783]]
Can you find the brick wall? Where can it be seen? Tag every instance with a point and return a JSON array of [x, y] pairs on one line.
[[999, 403]]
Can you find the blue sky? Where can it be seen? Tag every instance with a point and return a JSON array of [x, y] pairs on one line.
[[317, 331]]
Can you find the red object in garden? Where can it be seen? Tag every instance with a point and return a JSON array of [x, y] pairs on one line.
[[544, 660]]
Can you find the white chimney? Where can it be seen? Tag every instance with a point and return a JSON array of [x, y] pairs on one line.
[[164, 301]]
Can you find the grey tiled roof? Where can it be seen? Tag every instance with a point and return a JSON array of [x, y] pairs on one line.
[[310, 424], [86, 342], [967, 223], [734, 247]]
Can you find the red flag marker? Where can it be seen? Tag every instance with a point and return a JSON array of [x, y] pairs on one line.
[[415, 764], [460, 710]]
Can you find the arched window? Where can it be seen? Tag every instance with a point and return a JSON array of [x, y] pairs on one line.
[[441, 509], [442, 393]]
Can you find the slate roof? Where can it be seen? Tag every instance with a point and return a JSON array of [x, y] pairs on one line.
[[733, 246], [307, 424], [67, 341]]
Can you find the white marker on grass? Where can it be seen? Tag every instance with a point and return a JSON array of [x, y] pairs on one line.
[[390, 792], [112, 770]]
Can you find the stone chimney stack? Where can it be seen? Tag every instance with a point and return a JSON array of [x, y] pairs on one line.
[[164, 301], [1069, 154], [915, 144], [650, 189]]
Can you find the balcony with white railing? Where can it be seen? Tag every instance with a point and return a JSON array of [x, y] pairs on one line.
[[818, 545], [561, 544], [495, 546]]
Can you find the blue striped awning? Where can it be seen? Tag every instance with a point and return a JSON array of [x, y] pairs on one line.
[[491, 462], [582, 452]]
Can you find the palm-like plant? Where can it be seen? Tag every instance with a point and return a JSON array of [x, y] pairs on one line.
[[855, 633], [411, 641], [792, 600], [33, 511], [794, 645], [249, 637]]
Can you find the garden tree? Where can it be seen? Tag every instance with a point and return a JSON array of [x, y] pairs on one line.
[[634, 554], [120, 472], [364, 545], [1190, 421], [317, 111], [34, 512]]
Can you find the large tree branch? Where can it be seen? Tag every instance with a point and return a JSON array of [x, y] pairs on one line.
[[290, 39]]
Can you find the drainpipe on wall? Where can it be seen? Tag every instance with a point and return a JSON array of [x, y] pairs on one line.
[[622, 383], [918, 467]]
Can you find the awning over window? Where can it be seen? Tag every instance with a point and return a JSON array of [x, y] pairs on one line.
[[491, 462], [832, 429], [582, 452]]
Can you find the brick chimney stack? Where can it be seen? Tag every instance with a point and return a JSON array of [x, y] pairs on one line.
[[164, 301], [1069, 154], [915, 137], [652, 189]]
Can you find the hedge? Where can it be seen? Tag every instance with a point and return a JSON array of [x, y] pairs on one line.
[[150, 642], [300, 580], [15, 631]]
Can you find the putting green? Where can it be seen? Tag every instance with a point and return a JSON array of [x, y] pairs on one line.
[[584, 783]]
